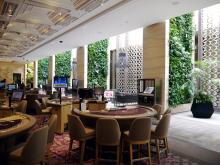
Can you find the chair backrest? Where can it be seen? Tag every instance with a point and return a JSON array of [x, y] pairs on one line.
[[76, 127], [52, 125], [38, 107], [35, 147], [168, 111], [163, 126], [22, 107], [44, 102], [108, 132], [140, 129], [158, 108], [31, 102]]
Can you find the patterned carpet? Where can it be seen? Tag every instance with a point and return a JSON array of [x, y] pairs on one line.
[[60, 147]]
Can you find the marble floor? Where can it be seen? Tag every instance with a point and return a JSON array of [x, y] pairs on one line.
[[196, 138]]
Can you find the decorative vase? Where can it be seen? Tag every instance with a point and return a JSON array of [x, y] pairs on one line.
[[202, 110]]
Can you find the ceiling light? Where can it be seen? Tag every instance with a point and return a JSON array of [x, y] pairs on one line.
[[60, 41]]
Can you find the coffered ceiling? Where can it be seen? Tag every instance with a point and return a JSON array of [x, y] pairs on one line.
[[34, 29], [25, 23]]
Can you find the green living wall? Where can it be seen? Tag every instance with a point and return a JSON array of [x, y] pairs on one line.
[[63, 64], [97, 64], [181, 31], [42, 71]]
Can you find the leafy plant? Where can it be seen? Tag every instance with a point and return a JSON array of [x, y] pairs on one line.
[[180, 46], [63, 64], [202, 97], [30, 73], [42, 71], [97, 64]]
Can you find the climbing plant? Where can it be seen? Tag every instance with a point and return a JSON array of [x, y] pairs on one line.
[[180, 46], [42, 71], [97, 64], [63, 64]]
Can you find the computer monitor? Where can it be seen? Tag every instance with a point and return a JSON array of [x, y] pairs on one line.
[[12, 87], [60, 82], [85, 93], [17, 96], [2, 85]]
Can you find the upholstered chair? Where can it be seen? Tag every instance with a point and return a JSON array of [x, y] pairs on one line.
[[138, 134], [158, 108], [22, 106], [39, 110], [156, 121], [77, 131], [107, 134], [33, 150], [159, 135], [52, 125], [44, 102]]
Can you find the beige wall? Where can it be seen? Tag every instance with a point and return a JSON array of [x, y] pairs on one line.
[[8, 68], [156, 57]]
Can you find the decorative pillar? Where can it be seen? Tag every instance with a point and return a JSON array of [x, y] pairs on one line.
[[51, 70], [35, 74], [73, 67], [82, 64], [25, 75], [156, 57]]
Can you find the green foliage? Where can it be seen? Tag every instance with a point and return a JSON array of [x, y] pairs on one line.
[[202, 97], [181, 32], [42, 71], [30, 73], [97, 64], [63, 64]]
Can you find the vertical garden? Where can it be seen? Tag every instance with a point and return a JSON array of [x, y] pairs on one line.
[[97, 64], [180, 46]]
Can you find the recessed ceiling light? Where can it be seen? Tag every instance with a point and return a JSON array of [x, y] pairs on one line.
[[60, 41], [175, 3]]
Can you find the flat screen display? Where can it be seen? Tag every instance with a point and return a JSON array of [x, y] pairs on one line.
[[60, 82], [17, 95], [12, 87], [2, 85]]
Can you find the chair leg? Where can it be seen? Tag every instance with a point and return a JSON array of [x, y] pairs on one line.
[[122, 150], [118, 154], [70, 145], [139, 150], [49, 155], [82, 152], [158, 150], [97, 154], [131, 154], [166, 146], [149, 154]]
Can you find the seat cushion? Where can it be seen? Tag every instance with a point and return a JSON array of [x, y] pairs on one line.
[[16, 154], [89, 131]]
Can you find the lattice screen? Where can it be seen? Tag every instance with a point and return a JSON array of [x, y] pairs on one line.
[[210, 42], [130, 69]]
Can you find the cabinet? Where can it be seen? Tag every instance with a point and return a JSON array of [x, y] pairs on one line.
[[146, 89]]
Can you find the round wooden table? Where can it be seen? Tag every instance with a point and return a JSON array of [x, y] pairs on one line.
[[124, 116]]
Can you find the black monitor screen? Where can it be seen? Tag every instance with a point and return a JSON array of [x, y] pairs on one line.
[[17, 95], [85, 93], [12, 87], [60, 82], [2, 85]]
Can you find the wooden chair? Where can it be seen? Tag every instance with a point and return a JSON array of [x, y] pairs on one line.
[[52, 125], [159, 135], [39, 109], [33, 150], [138, 134], [107, 134], [78, 131]]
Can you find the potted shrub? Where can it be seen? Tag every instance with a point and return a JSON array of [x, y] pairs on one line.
[[202, 106]]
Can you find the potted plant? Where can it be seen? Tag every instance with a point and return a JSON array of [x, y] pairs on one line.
[[202, 106]]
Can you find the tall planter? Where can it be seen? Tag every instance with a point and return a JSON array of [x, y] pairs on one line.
[[202, 110]]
